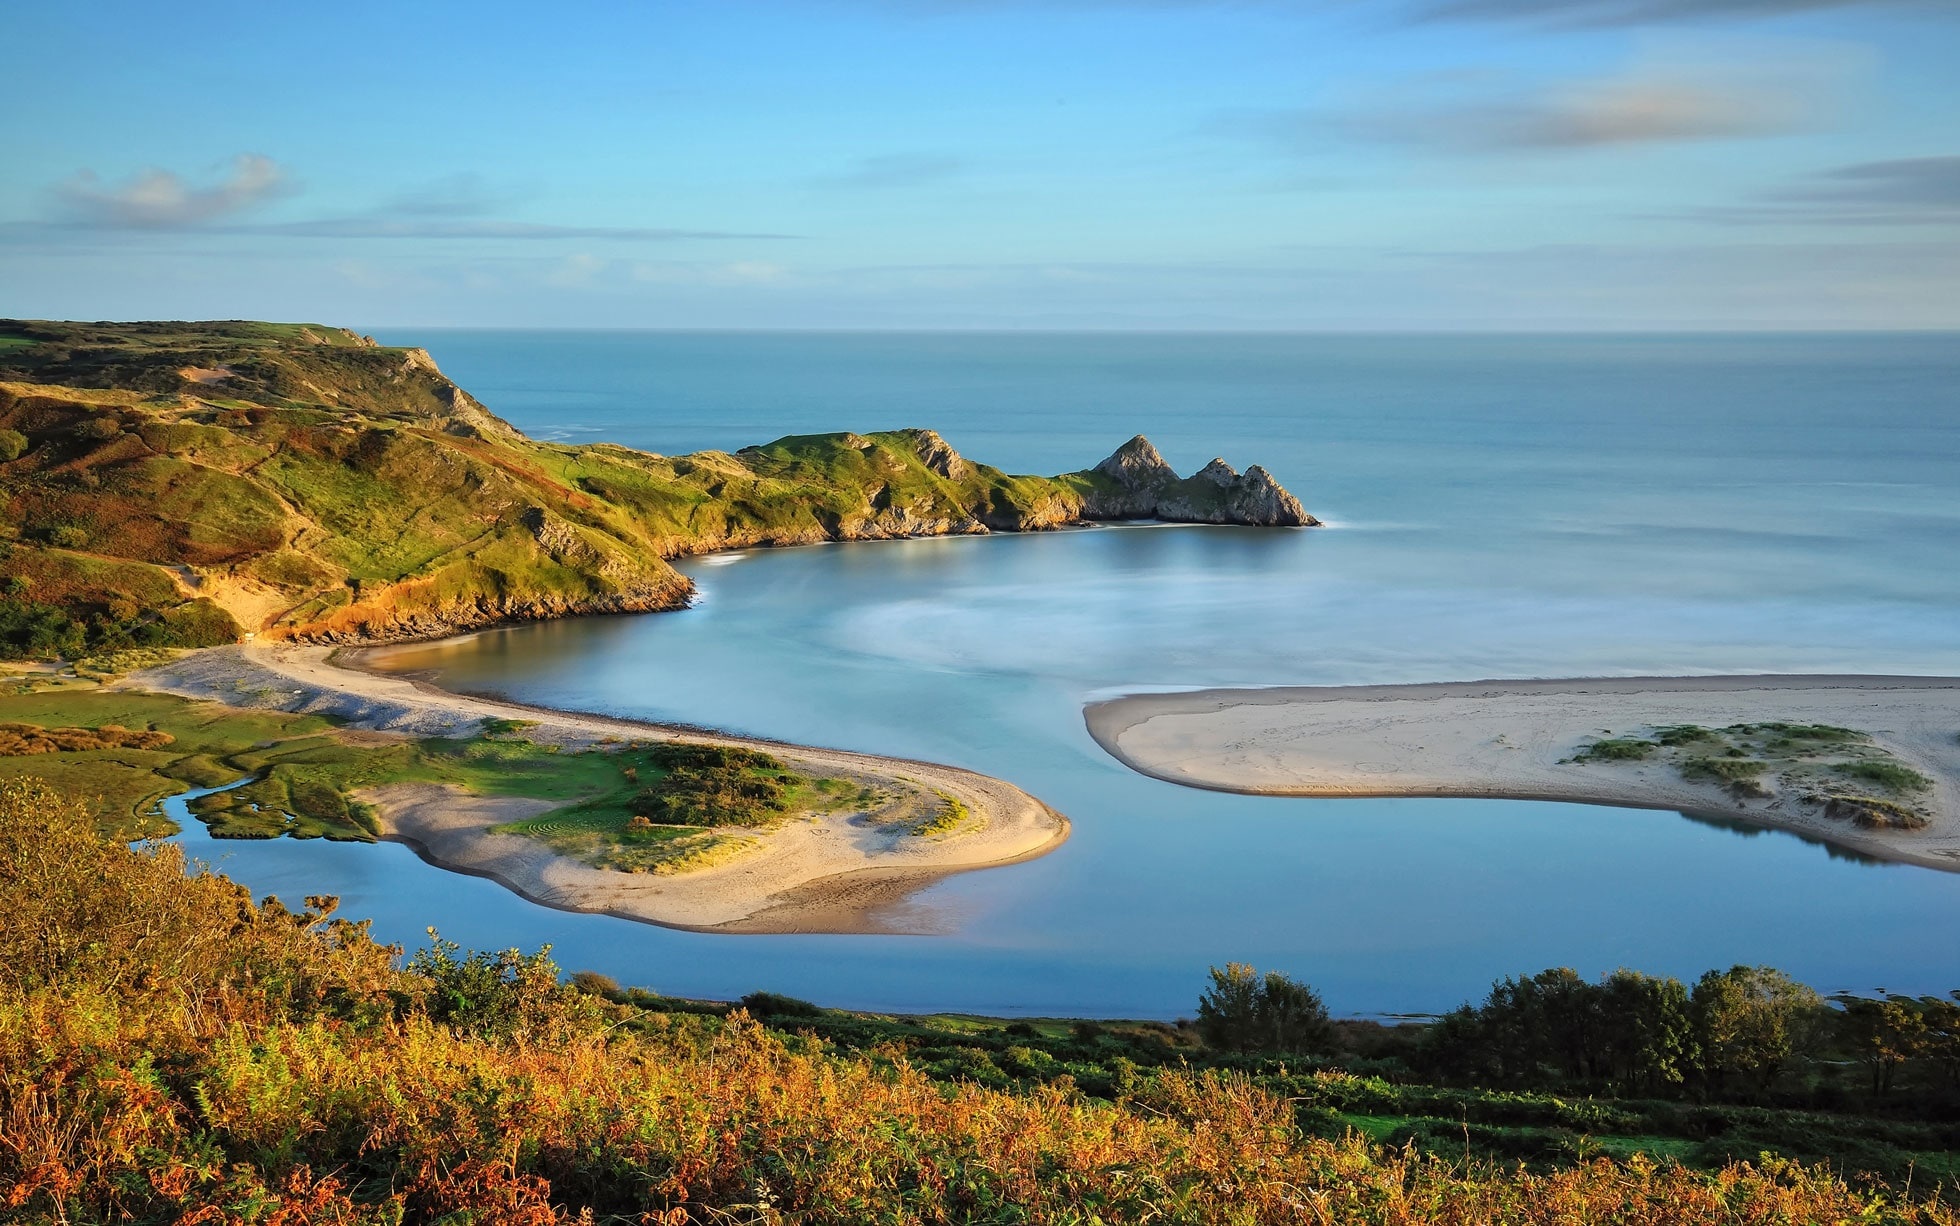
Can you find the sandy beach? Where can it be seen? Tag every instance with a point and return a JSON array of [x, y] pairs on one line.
[[821, 873], [1515, 738]]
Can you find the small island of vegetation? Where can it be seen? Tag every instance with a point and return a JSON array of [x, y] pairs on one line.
[[1821, 764]]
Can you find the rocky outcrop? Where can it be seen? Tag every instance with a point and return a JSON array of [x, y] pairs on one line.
[[1137, 483], [1136, 475], [938, 455]]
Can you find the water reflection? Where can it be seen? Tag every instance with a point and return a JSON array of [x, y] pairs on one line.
[[1750, 830]]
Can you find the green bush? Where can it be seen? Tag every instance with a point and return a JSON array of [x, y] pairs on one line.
[[770, 1004], [1616, 749], [714, 785], [1723, 770], [13, 445], [1245, 1012], [1895, 776], [68, 536]]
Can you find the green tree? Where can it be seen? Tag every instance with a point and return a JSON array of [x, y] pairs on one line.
[[13, 445], [1887, 1032], [1749, 1021], [1941, 1041], [1647, 1032], [1246, 1011]]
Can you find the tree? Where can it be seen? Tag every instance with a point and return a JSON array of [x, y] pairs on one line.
[[1888, 1032], [1941, 1042], [1647, 1031], [1749, 1020], [13, 445], [1245, 1011]]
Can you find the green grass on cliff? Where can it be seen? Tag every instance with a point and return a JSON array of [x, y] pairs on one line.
[[310, 482]]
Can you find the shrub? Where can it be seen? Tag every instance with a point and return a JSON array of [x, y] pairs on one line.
[[714, 785], [1683, 734], [769, 1004], [1616, 749], [1244, 1011], [1722, 770], [1896, 776], [13, 445], [485, 993], [68, 536]]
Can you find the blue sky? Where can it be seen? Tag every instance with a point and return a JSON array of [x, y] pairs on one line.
[[1289, 164]]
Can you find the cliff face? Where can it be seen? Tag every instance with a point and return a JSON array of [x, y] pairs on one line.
[[186, 483], [1136, 483]]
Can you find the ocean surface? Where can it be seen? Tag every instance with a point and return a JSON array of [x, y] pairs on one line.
[[1498, 507]]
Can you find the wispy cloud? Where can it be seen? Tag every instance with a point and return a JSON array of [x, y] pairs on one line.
[[1900, 191], [457, 195], [1652, 101], [454, 207], [894, 170], [391, 227], [157, 199], [1643, 12], [1574, 13]]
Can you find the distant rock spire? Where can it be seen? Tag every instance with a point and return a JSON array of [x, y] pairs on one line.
[[1139, 484]]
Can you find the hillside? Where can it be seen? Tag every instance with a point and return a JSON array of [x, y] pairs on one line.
[[172, 1052], [184, 484]]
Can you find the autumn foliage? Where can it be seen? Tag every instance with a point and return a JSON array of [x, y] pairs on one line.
[[172, 1052]]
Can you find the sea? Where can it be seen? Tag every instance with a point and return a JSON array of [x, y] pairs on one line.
[[1495, 507]]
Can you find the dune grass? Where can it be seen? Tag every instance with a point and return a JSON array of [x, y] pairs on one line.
[[1753, 760]]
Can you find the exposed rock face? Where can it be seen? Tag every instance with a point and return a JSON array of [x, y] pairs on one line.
[[1140, 475], [1136, 483], [938, 455]]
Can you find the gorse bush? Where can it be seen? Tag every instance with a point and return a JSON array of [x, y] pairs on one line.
[[172, 1052]]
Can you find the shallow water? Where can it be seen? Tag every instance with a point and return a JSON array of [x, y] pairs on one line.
[[1504, 507]]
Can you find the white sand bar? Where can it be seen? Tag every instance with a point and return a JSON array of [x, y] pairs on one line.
[[1513, 739]]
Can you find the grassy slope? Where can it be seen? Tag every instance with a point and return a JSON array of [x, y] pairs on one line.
[[180, 484], [1367, 1086], [171, 1052]]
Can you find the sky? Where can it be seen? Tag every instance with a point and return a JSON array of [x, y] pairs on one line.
[[1399, 165]]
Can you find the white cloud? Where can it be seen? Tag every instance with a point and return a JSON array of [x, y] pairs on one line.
[[160, 199]]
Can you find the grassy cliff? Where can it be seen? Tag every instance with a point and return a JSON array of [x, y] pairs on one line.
[[183, 484]]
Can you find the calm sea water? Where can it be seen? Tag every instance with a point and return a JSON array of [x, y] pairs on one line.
[[1500, 507]]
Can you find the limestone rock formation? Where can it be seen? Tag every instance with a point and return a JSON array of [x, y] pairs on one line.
[[938, 455], [1137, 483]]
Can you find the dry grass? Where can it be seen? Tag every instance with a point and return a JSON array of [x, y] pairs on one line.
[[20, 740], [171, 1052]]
